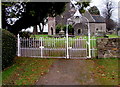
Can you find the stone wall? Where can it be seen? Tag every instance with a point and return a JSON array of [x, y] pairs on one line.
[[108, 47]]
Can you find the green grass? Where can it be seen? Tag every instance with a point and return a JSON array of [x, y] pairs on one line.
[[113, 36], [38, 36], [106, 71], [26, 71], [110, 36]]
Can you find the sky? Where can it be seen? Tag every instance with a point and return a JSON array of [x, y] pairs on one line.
[[101, 6]]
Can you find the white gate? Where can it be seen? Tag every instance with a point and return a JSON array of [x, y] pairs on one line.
[[54, 47], [77, 48]]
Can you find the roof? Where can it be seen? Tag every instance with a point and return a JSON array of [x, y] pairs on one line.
[[88, 16], [94, 18], [77, 13], [98, 19]]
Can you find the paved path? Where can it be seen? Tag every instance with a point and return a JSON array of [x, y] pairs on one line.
[[69, 72]]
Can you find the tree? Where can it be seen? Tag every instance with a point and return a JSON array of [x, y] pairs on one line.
[[82, 6], [94, 10], [107, 13], [35, 13], [79, 5], [11, 10], [109, 7]]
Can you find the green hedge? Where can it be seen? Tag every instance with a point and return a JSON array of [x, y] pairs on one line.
[[8, 48]]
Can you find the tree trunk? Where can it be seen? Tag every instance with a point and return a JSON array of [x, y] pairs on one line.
[[35, 31], [41, 28]]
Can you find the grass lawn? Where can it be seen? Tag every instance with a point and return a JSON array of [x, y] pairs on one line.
[[38, 36], [26, 71], [113, 36], [110, 36], [106, 71]]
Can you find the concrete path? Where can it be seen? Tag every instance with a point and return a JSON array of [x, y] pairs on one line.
[[69, 72]]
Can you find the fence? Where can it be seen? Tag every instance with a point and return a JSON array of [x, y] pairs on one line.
[[55, 47]]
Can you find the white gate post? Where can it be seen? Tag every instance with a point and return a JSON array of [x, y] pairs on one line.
[[41, 47], [18, 43], [67, 40], [89, 47]]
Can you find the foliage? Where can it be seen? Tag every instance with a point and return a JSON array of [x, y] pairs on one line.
[[70, 28], [58, 28], [25, 34], [8, 48], [11, 10], [110, 24], [83, 5], [94, 10], [34, 13], [26, 71]]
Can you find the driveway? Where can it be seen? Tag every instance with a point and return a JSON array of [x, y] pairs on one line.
[[69, 72]]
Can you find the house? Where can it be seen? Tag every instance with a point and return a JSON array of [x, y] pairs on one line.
[[96, 22]]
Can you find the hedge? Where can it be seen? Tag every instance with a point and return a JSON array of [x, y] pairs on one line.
[[8, 48]]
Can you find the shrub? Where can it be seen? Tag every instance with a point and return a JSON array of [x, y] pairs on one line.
[[8, 48], [58, 28], [70, 28], [25, 34]]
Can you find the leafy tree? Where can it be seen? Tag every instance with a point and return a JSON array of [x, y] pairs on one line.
[[94, 10], [34, 13], [82, 6], [11, 10]]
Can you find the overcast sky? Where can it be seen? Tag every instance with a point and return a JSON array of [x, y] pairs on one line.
[[100, 5]]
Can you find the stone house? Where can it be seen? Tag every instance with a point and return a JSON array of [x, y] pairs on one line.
[[96, 22]]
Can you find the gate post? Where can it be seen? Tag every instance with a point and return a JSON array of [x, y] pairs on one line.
[[18, 44], [89, 47], [67, 40], [41, 48]]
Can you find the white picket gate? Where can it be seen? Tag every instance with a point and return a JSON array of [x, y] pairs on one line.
[[55, 47]]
